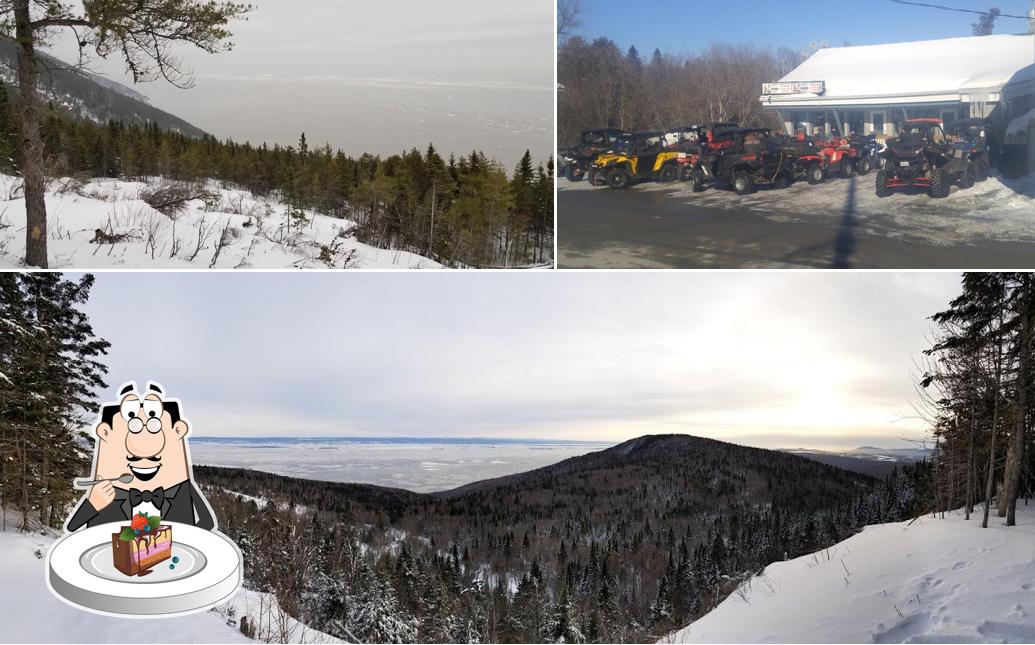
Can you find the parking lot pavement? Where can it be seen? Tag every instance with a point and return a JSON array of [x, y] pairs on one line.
[[838, 224]]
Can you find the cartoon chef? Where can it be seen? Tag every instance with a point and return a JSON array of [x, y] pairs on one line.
[[141, 464]]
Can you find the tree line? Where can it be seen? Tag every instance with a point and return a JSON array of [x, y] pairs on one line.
[[51, 369], [462, 211], [601, 86], [977, 394]]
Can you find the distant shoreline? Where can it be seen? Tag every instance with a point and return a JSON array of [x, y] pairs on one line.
[[474, 441]]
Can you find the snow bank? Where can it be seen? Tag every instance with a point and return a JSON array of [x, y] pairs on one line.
[[932, 581], [257, 236], [33, 615]]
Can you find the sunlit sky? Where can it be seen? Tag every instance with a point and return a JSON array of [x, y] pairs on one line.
[[379, 77], [818, 360]]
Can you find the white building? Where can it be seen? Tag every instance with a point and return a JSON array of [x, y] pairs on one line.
[[871, 88]]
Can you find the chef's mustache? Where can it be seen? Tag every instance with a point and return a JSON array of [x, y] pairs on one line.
[[134, 458]]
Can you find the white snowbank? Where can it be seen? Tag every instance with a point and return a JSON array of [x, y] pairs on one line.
[[257, 236], [932, 581], [31, 614]]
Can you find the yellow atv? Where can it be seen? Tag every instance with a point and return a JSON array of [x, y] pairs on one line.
[[641, 156]]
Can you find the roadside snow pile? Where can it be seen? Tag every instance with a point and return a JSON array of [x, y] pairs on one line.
[[935, 581], [105, 224]]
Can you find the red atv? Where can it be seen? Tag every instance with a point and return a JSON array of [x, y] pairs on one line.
[[922, 156], [839, 155]]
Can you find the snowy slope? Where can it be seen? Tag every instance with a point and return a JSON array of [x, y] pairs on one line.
[[257, 236], [31, 614], [940, 581]]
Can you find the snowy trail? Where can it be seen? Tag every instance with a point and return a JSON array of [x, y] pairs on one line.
[[935, 581]]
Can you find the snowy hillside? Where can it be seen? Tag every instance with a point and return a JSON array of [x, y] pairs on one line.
[[104, 224], [33, 615], [932, 581]]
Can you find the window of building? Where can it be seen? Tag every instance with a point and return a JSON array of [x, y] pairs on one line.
[[856, 122], [878, 122]]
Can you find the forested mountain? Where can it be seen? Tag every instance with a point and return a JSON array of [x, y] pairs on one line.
[[875, 462], [617, 545], [89, 96]]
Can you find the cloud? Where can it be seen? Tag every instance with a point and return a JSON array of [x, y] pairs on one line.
[[573, 355]]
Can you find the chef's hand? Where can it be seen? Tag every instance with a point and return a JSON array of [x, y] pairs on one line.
[[101, 495]]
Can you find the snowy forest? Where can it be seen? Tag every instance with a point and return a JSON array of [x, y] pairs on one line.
[[977, 394], [462, 211]]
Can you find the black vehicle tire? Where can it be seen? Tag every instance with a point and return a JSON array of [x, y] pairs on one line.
[[742, 184], [847, 168], [814, 174], [981, 171], [593, 177], [574, 177], [967, 177], [669, 173], [618, 179], [864, 166], [940, 184], [882, 184], [697, 181]]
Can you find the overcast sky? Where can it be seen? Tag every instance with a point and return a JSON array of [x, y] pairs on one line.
[[770, 359], [373, 76]]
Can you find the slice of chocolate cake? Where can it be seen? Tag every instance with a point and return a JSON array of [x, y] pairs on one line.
[[141, 545]]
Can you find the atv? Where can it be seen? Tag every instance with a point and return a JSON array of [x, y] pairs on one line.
[[868, 154], [805, 156], [972, 137], [641, 156], [578, 159], [751, 158], [839, 155], [921, 156]]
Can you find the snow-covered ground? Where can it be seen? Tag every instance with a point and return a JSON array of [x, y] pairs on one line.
[[253, 231], [998, 209], [932, 581], [29, 613]]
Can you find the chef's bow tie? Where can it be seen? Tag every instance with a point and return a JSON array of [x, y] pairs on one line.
[[156, 496]]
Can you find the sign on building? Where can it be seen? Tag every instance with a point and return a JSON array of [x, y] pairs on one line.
[[794, 87]]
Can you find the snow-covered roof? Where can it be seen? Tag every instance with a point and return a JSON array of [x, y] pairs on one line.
[[926, 71]]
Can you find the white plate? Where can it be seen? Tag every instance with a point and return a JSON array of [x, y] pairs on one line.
[[80, 570]]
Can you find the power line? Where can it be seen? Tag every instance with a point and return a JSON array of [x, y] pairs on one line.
[[956, 9]]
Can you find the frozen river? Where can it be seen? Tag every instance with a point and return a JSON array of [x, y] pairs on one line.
[[422, 465]]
